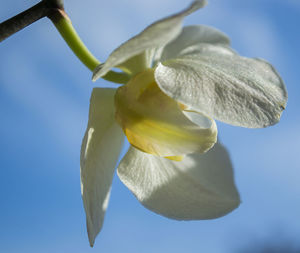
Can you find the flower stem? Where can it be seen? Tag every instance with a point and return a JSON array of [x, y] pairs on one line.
[[54, 10], [64, 26]]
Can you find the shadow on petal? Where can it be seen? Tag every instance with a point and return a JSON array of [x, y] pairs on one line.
[[199, 187]]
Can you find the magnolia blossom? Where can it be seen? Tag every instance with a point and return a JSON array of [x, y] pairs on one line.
[[181, 80]]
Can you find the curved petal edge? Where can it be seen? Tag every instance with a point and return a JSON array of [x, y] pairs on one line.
[[201, 186]]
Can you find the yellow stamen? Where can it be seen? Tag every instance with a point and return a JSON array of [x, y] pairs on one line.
[[177, 158]]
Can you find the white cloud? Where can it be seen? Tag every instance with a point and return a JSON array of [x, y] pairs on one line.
[[59, 112]]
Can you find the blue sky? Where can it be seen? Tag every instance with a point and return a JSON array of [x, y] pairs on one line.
[[44, 101]]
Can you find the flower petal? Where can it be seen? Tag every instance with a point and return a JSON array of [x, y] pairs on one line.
[[154, 36], [191, 36], [138, 63], [155, 123], [100, 149], [201, 186], [227, 87]]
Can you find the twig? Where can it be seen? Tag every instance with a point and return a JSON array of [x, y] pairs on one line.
[[25, 18]]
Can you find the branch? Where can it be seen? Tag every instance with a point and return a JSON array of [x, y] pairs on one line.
[[25, 18], [59, 4]]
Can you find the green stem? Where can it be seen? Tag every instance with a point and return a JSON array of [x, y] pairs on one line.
[[64, 26]]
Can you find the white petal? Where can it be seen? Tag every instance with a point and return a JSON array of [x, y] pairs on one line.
[[201, 186], [154, 36], [198, 119], [138, 63], [100, 149], [230, 88], [191, 36]]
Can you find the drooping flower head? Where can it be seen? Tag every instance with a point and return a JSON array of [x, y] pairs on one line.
[[181, 80]]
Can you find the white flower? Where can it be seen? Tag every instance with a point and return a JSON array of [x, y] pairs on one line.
[[181, 78]]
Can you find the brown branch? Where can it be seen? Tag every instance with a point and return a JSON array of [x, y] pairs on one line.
[[25, 18]]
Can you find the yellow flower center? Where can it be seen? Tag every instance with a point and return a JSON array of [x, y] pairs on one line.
[[154, 123]]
